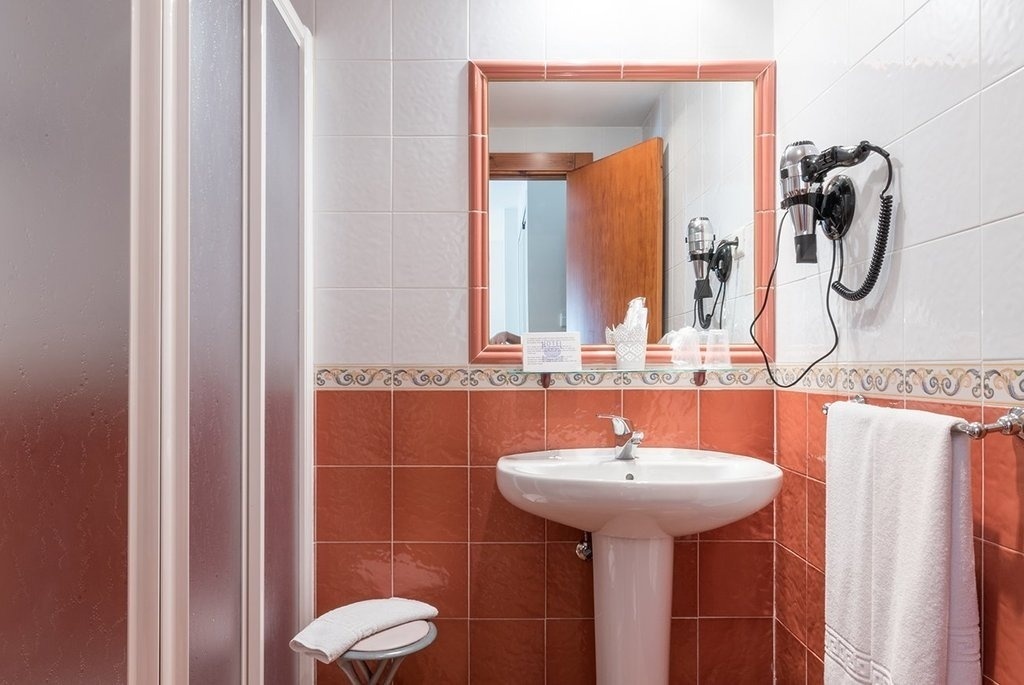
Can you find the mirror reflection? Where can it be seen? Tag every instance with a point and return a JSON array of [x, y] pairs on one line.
[[592, 188]]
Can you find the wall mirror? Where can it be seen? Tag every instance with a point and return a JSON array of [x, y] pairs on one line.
[[707, 136]]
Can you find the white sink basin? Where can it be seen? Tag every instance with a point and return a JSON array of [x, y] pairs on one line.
[[664, 492]]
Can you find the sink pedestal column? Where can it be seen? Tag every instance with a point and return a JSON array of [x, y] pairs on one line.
[[632, 609]]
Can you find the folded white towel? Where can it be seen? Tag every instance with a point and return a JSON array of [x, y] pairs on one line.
[[901, 604], [331, 635]]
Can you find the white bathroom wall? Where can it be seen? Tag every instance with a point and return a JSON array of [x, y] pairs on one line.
[[939, 84], [391, 145]]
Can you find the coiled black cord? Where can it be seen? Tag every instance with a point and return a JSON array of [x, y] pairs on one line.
[[881, 240]]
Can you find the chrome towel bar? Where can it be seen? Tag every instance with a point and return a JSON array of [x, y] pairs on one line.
[[1010, 423]]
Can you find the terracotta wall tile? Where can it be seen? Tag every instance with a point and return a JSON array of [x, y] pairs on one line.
[[572, 419], [505, 580], [348, 572], [1003, 616], [1004, 489], [738, 421], [791, 430], [570, 583], [504, 422], [515, 587], [816, 523], [736, 578], [682, 667], [816, 433], [431, 428], [758, 526], [492, 518], [790, 658], [791, 513], [815, 637], [791, 592], [436, 573], [668, 418], [559, 532], [431, 504], [570, 652], [506, 652], [815, 670], [353, 427], [353, 504], [684, 580], [446, 661], [735, 650]]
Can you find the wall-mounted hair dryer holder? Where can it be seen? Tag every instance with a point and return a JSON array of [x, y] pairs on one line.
[[833, 210]]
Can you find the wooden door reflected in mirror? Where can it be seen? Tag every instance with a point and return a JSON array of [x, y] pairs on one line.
[[759, 74]]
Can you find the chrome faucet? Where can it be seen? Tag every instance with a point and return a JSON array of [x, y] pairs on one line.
[[626, 439]]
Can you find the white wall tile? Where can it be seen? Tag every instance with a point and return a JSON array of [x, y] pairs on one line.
[[871, 330], [658, 30], [735, 29], [873, 94], [789, 18], [802, 330], [352, 174], [431, 98], [431, 174], [353, 98], [1002, 281], [1002, 148], [942, 51], [353, 29], [352, 326], [499, 29], [584, 30], [353, 250], [431, 29], [870, 22], [939, 175], [811, 65], [431, 250], [1002, 50], [941, 291], [430, 327], [869, 179]]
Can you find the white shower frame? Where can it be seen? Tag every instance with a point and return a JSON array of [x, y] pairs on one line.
[[158, 519]]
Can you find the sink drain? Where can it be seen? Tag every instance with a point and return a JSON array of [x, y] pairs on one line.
[[629, 476]]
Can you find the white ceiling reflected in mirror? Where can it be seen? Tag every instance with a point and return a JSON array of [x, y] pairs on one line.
[[706, 150], [699, 137]]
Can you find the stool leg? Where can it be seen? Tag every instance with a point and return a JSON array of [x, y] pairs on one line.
[[350, 672], [386, 671]]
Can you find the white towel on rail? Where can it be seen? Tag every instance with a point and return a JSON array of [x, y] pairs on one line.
[[901, 603], [331, 635]]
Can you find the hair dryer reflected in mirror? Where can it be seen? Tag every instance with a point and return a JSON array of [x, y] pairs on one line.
[[707, 259]]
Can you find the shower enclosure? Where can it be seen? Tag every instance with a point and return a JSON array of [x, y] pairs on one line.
[[155, 319]]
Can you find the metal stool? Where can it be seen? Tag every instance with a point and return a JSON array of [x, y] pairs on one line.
[[388, 649]]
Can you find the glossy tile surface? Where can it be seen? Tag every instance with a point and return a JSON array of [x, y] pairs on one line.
[[431, 428], [431, 504], [353, 428]]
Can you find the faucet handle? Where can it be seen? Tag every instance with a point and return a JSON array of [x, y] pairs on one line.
[[620, 424]]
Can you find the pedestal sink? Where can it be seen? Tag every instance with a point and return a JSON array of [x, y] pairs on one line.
[[634, 510]]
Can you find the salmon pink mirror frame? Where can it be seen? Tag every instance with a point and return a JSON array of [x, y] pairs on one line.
[[760, 73]]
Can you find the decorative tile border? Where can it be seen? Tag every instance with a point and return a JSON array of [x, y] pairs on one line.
[[501, 378], [999, 384]]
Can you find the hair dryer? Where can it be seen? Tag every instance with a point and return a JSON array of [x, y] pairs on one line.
[[802, 170], [707, 259]]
